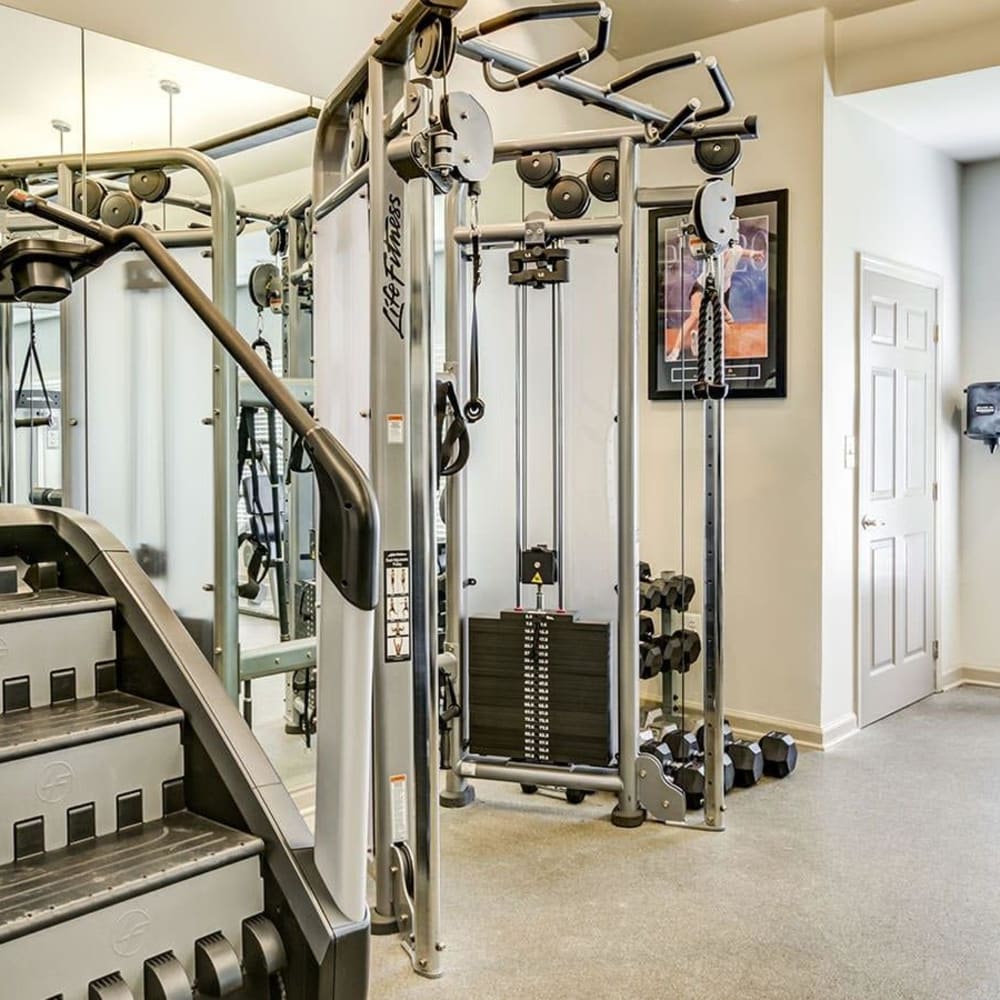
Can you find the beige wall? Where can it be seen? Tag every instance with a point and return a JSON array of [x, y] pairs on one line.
[[773, 446], [887, 196]]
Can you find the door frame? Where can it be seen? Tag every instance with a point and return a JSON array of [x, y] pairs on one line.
[[870, 263]]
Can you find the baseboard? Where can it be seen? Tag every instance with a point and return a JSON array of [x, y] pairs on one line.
[[979, 676], [747, 724]]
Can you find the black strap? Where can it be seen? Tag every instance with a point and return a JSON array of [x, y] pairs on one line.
[[31, 359], [475, 408], [456, 435]]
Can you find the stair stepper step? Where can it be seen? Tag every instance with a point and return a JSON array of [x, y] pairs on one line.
[[84, 769], [55, 645], [72, 723], [101, 918]]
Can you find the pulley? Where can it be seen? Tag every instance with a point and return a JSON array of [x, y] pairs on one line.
[[149, 185], [277, 241], [357, 141], [472, 148], [568, 197], [602, 178], [538, 170], [88, 196], [712, 214], [434, 49], [718, 156], [264, 286], [121, 208]]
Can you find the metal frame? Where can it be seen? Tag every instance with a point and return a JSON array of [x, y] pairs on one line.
[[224, 396]]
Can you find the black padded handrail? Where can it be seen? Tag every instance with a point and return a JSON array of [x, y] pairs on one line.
[[349, 518]]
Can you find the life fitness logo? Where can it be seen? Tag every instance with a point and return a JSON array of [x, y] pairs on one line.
[[129, 932], [55, 782]]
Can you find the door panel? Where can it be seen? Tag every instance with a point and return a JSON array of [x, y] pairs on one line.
[[896, 584]]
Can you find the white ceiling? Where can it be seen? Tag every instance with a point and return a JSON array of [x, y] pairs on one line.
[[649, 25], [956, 114]]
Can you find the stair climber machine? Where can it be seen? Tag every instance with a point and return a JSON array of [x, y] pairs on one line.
[[391, 138], [147, 847]]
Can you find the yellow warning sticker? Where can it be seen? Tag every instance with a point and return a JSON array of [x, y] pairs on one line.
[[537, 578]]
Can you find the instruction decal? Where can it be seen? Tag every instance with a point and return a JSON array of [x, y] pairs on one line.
[[396, 568]]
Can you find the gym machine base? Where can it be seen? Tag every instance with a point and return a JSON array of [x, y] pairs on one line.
[[104, 662]]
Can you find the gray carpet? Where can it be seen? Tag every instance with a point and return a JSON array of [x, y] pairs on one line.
[[872, 872]]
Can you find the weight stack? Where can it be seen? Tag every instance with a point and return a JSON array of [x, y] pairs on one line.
[[540, 688]]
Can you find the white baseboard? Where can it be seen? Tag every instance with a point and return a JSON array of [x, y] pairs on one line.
[[980, 676], [747, 724]]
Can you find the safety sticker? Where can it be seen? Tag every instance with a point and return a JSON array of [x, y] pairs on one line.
[[400, 809], [397, 605], [395, 428]]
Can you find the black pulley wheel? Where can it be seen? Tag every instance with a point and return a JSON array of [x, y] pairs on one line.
[[88, 196], [538, 170], [149, 185], [121, 208], [277, 241], [602, 178], [718, 156], [568, 197]]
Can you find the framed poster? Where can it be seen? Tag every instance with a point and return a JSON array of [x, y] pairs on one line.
[[756, 272]]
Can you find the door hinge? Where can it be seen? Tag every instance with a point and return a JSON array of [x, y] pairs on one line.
[[935, 649], [934, 491], [937, 333]]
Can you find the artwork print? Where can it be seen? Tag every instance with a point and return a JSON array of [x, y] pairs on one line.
[[754, 301]]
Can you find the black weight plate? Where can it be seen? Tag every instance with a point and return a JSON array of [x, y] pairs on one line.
[[467, 120], [568, 197], [718, 156], [149, 185], [538, 169], [121, 208], [602, 178], [93, 192]]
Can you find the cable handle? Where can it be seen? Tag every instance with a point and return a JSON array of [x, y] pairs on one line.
[[567, 63]]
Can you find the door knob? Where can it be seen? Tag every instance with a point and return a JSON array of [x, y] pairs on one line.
[[871, 522]]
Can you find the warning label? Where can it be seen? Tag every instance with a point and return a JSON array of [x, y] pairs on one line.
[[397, 605], [400, 810]]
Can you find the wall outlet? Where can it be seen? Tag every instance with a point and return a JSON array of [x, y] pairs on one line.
[[691, 621], [850, 452]]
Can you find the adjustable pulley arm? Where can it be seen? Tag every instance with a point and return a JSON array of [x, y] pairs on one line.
[[567, 63], [349, 520]]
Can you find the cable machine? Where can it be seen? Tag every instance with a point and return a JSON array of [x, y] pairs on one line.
[[389, 139]]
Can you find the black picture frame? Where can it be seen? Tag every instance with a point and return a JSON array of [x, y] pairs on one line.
[[752, 373]]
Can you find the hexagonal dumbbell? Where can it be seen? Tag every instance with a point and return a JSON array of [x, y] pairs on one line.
[[748, 759], [689, 776], [647, 627], [678, 590], [659, 750], [650, 660], [780, 754], [683, 745], [727, 734], [681, 649]]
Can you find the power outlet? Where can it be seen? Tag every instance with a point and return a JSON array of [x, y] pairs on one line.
[[691, 621]]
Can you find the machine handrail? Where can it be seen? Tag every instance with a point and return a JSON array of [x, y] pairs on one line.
[[545, 12], [349, 519]]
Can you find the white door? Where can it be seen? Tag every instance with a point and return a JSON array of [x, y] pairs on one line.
[[896, 492]]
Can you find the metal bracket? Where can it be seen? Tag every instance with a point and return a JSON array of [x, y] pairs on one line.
[[402, 894], [281, 658], [303, 389], [660, 797]]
